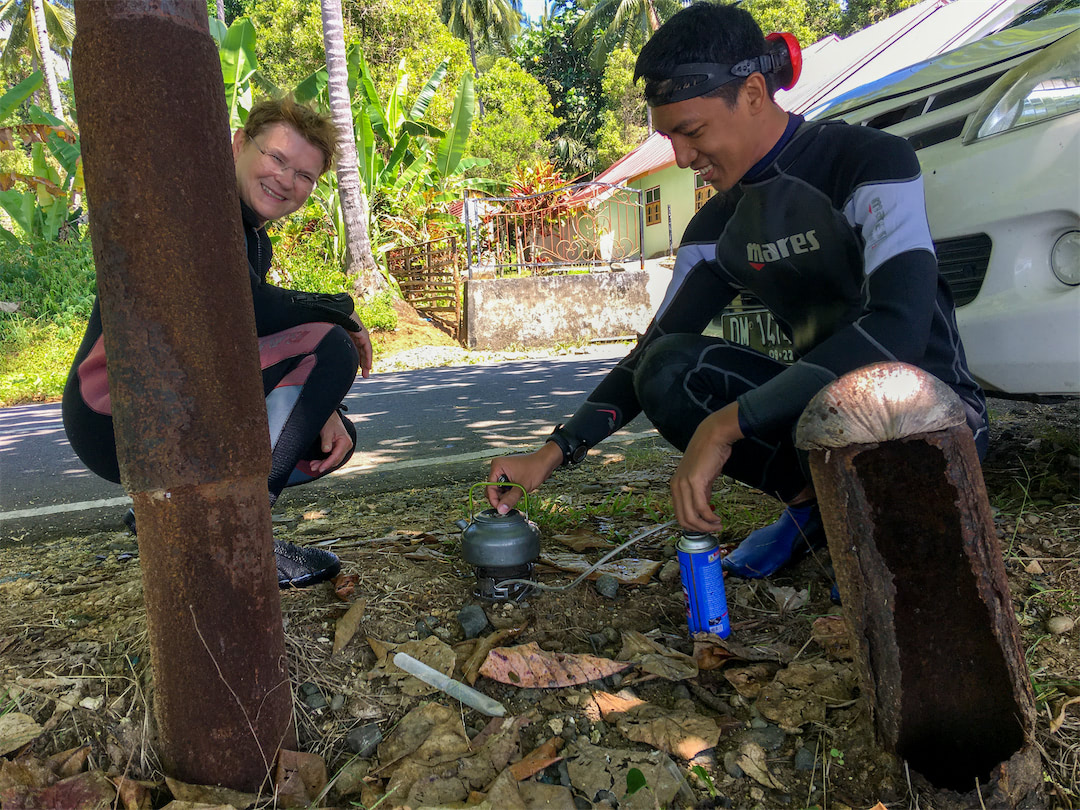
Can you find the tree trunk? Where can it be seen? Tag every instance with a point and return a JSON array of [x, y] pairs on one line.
[[37, 11], [359, 261], [221, 11]]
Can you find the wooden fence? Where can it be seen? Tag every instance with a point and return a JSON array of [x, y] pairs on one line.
[[429, 275]]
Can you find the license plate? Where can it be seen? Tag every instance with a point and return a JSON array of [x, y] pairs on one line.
[[755, 327]]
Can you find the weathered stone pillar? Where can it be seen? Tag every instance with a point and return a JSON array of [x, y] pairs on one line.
[[922, 579], [184, 380]]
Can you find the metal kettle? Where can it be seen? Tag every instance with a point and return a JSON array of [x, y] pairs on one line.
[[500, 547]]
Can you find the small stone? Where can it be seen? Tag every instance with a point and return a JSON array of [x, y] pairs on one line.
[[611, 634], [473, 620], [556, 725], [597, 641], [757, 722], [92, 703], [337, 703], [1059, 625], [805, 759], [426, 626], [732, 769], [769, 737], [314, 700], [607, 586], [364, 740], [669, 572]]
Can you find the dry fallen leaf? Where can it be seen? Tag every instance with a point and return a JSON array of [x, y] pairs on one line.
[[1059, 719], [298, 778], [679, 731], [801, 693], [471, 669], [833, 636], [348, 624], [133, 795], [84, 791], [537, 759], [344, 585], [580, 540], [751, 759], [16, 730], [530, 667], [750, 680], [655, 660], [208, 794]]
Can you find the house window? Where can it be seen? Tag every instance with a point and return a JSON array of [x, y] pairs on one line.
[[652, 205], [702, 192]]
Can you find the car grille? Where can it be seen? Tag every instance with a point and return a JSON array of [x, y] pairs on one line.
[[942, 131], [963, 262]]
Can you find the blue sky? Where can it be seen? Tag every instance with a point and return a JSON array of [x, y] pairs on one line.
[[534, 9]]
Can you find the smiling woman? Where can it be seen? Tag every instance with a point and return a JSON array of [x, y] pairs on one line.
[[310, 344]]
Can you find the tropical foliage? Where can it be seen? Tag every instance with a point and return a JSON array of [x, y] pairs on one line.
[[518, 118]]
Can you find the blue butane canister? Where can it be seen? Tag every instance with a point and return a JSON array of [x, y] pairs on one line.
[[703, 584]]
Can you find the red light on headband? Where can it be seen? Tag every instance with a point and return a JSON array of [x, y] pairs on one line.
[[790, 72]]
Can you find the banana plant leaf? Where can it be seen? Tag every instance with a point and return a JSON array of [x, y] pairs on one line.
[[420, 106], [452, 146], [238, 63], [19, 93]]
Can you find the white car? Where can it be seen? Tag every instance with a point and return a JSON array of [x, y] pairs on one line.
[[996, 125]]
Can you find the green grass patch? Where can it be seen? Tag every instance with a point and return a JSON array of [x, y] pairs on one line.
[[51, 287]]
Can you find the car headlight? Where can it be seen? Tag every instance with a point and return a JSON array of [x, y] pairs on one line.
[[1044, 87], [1065, 258]]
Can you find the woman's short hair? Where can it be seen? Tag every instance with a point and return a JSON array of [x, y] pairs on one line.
[[316, 129]]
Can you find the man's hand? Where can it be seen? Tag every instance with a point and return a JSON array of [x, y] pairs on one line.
[[334, 441], [362, 341], [530, 471], [702, 463]]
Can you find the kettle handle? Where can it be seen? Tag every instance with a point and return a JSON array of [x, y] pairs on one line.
[[524, 494]]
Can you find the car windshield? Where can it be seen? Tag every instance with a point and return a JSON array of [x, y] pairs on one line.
[[1042, 9]]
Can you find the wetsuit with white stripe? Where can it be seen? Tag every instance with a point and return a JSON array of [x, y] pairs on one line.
[[829, 232], [308, 365]]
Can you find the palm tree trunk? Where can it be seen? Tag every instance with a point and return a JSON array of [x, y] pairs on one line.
[[37, 11], [221, 11], [359, 261]]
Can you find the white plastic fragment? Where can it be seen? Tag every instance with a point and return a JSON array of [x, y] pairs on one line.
[[456, 689]]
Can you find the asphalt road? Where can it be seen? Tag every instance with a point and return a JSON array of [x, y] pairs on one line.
[[414, 427]]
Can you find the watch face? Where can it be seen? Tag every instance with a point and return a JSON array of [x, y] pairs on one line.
[[578, 453]]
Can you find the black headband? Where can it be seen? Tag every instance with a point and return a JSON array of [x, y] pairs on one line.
[[698, 78]]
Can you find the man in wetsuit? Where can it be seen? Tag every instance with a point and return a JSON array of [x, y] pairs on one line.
[[310, 345], [825, 224]]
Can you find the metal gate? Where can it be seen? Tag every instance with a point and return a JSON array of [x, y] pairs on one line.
[[577, 226]]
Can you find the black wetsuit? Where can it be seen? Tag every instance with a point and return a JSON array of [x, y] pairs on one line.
[[308, 365], [829, 232]]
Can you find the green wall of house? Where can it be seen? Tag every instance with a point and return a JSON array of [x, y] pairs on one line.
[[676, 190]]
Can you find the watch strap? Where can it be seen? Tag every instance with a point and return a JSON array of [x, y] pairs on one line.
[[573, 448]]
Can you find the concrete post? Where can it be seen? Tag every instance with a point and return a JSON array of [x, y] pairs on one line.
[[922, 579], [184, 379]]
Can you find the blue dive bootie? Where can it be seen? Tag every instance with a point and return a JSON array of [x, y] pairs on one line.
[[765, 551]]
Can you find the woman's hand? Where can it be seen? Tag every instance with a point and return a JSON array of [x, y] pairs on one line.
[[335, 441], [362, 341]]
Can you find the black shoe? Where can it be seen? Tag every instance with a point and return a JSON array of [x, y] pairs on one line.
[[300, 566], [129, 521]]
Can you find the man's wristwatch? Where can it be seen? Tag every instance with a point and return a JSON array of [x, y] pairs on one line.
[[573, 448]]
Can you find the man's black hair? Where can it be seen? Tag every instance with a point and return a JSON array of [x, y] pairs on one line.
[[702, 32]]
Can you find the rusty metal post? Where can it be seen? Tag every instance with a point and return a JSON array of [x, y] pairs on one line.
[[184, 379], [923, 582]]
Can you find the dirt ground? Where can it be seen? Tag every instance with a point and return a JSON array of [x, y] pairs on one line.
[[771, 718]]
